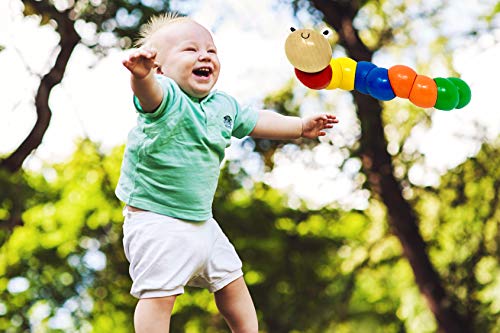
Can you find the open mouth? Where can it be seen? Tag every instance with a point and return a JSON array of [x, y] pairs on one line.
[[203, 71]]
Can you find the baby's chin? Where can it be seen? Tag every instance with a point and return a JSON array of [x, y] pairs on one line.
[[198, 92]]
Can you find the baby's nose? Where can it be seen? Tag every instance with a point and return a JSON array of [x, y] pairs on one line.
[[204, 55]]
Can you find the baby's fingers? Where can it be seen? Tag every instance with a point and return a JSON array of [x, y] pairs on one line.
[[147, 53], [331, 119], [129, 64], [142, 54]]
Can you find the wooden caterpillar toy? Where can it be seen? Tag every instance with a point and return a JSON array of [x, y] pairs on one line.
[[311, 55]]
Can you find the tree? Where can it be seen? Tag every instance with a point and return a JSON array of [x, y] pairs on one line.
[[68, 252], [377, 163], [120, 18], [462, 225], [295, 253], [69, 256]]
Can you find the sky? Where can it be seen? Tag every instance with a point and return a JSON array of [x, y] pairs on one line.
[[94, 99]]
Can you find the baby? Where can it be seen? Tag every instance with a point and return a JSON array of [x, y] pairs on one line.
[[171, 168]]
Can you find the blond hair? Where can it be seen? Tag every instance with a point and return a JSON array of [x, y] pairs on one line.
[[156, 23]]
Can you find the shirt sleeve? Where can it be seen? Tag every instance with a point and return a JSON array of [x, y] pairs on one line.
[[167, 100], [245, 121]]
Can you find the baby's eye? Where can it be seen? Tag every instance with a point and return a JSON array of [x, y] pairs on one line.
[[190, 49], [214, 51]]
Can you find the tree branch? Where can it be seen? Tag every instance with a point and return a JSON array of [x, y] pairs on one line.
[[69, 40]]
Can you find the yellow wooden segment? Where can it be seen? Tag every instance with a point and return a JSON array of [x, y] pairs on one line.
[[348, 72], [336, 75]]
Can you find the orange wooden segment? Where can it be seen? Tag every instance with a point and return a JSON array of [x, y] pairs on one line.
[[423, 92], [402, 79]]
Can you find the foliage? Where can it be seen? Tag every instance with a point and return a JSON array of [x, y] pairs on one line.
[[63, 269], [289, 255], [461, 221], [68, 231], [308, 271]]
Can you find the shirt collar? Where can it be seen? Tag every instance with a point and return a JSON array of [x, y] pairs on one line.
[[206, 98]]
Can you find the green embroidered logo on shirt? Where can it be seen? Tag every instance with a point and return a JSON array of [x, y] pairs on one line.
[[228, 122]]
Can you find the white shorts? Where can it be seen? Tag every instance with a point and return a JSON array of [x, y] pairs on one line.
[[166, 254]]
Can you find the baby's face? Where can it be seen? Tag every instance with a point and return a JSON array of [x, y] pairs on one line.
[[187, 54]]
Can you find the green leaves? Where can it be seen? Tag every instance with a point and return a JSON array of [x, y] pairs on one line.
[[69, 252], [70, 239]]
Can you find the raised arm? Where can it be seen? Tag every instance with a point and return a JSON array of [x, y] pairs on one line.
[[146, 88], [272, 125]]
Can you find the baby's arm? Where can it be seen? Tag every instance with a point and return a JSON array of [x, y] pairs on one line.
[[272, 125], [148, 91]]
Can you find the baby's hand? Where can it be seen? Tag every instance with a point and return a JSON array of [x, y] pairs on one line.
[[141, 62], [314, 126]]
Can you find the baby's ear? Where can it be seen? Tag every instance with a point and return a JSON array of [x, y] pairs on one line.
[[158, 69]]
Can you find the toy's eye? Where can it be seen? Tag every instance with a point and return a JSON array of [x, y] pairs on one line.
[[325, 32], [292, 29]]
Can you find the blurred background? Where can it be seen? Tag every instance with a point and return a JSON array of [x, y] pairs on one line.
[[390, 223]]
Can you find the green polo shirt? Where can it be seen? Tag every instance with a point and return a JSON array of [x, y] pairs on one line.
[[172, 159]]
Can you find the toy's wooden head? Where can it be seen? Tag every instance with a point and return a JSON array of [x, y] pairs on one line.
[[308, 50]]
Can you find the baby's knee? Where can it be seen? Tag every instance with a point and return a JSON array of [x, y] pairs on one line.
[[153, 314], [247, 327], [158, 303]]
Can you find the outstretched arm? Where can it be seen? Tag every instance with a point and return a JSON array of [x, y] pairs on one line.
[[142, 65], [272, 125]]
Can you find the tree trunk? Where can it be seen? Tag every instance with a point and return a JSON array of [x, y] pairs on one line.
[[69, 40], [378, 166]]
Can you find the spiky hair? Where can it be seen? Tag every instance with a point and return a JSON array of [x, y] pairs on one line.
[[155, 23]]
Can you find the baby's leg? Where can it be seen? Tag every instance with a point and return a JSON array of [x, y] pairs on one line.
[[152, 315], [236, 305]]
